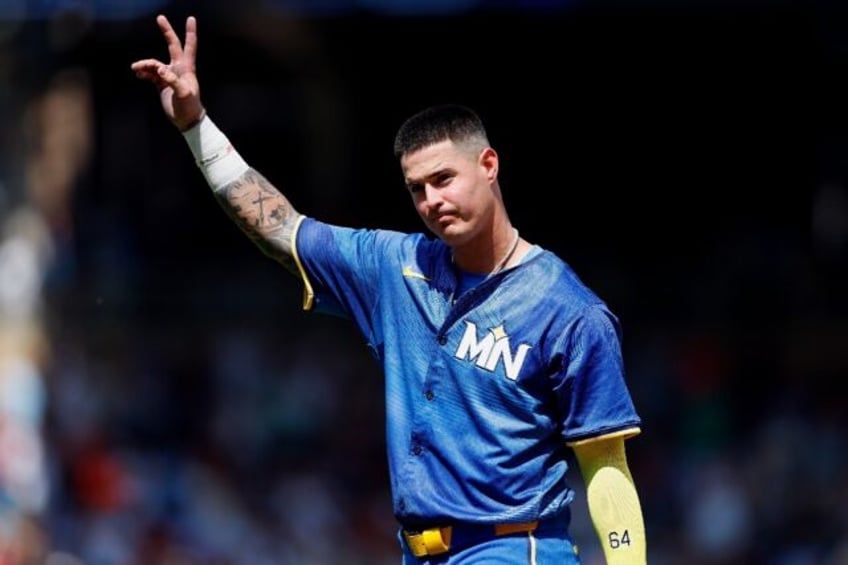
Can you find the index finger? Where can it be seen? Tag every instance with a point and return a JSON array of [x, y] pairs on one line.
[[191, 39], [175, 50]]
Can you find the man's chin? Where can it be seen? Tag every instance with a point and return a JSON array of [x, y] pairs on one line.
[[452, 237], [450, 231]]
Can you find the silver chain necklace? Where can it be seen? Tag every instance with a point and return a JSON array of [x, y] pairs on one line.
[[501, 264], [499, 267]]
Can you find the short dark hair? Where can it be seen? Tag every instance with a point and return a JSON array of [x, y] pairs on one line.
[[455, 122]]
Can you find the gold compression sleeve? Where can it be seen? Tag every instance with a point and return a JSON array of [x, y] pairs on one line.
[[613, 501]]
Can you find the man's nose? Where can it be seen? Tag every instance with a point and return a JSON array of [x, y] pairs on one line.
[[432, 196]]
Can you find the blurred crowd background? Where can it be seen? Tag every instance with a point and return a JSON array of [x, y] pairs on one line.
[[165, 400]]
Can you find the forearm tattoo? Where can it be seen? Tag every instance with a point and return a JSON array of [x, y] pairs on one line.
[[263, 213]]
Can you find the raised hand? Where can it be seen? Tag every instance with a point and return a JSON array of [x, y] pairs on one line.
[[176, 81]]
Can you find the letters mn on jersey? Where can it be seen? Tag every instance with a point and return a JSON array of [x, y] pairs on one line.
[[494, 347]]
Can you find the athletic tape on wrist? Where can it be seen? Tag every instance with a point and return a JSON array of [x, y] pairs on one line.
[[215, 156]]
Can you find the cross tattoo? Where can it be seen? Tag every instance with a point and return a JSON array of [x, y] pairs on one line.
[[259, 200]]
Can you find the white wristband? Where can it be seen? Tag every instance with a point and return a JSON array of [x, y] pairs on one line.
[[215, 156]]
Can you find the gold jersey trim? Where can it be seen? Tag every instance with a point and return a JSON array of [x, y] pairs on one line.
[[308, 293], [629, 432]]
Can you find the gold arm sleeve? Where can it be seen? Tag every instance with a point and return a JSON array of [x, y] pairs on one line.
[[613, 501]]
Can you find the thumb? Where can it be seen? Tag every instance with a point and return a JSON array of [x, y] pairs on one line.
[[171, 79]]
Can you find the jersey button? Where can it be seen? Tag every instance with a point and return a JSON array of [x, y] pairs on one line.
[[429, 395], [417, 450], [442, 340]]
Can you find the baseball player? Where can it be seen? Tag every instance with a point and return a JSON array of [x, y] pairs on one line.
[[498, 360]]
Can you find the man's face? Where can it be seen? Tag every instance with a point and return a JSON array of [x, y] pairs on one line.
[[451, 188]]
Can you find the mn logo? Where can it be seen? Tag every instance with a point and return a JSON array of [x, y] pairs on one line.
[[492, 349]]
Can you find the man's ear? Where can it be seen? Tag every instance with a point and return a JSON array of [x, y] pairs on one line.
[[489, 161]]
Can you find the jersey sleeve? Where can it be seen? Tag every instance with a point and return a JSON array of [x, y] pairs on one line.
[[593, 396], [340, 269]]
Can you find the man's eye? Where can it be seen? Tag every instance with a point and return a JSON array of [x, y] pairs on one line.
[[413, 188], [442, 180]]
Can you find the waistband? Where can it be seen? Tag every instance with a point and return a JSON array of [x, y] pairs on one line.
[[424, 541]]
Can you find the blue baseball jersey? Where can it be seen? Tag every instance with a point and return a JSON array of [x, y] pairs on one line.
[[484, 391]]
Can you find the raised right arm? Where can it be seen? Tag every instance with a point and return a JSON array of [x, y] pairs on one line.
[[253, 203]]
